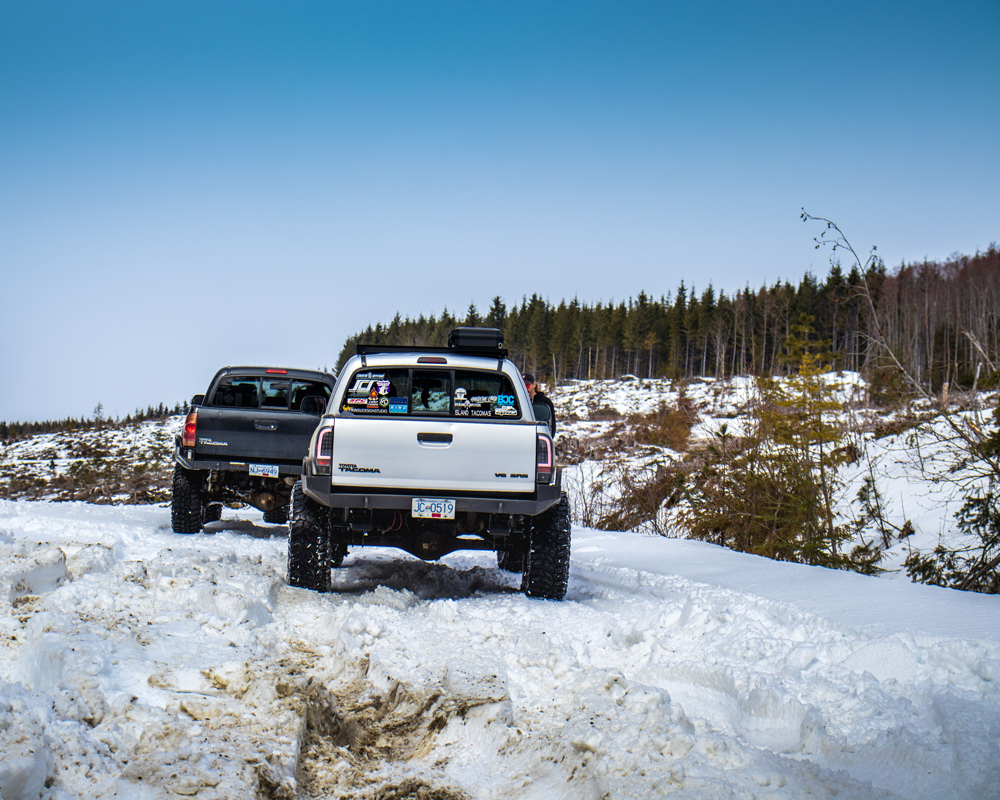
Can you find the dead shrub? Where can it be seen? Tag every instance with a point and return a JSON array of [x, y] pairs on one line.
[[667, 426], [641, 496], [604, 414], [901, 424]]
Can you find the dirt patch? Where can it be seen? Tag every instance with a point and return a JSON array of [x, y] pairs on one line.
[[418, 790], [360, 744]]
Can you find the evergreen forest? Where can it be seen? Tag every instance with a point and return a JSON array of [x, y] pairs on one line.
[[939, 319]]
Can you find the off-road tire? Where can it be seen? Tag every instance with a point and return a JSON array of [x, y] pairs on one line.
[[309, 551], [185, 504], [212, 513], [546, 571], [277, 515], [511, 560]]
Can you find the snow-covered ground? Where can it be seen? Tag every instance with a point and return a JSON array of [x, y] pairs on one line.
[[910, 468], [142, 664]]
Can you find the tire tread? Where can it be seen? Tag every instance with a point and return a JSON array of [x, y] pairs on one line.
[[546, 572], [186, 510], [309, 550]]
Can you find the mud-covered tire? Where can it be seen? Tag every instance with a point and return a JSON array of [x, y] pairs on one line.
[[511, 560], [546, 571], [212, 513], [277, 515], [309, 551], [185, 504]]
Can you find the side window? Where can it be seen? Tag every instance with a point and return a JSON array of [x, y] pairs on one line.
[[431, 392], [237, 392], [275, 393], [310, 396], [378, 392], [484, 394]]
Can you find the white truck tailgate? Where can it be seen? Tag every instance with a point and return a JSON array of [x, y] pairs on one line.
[[428, 454]]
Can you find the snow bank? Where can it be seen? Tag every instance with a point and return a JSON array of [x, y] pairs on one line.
[[146, 664]]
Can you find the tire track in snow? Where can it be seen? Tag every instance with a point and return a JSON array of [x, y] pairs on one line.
[[562, 714]]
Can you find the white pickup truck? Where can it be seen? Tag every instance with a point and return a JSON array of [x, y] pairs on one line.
[[432, 450]]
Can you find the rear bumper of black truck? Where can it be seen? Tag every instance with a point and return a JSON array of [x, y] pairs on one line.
[[319, 488], [237, 465]]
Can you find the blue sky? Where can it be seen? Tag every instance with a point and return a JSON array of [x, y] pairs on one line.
[[185, 185]]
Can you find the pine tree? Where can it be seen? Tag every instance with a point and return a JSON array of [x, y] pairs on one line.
[[772, 492]]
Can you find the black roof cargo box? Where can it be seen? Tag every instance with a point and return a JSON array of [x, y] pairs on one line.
[[479, 338]]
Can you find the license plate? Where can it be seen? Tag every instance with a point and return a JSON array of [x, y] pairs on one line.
[[263, 470], [433, 508]]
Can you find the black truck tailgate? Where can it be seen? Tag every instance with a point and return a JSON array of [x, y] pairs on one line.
[[256, 434]]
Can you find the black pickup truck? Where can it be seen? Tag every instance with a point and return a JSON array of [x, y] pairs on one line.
[[244, 441]]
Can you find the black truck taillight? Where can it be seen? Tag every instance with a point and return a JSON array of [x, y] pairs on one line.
[[323, 456], [544, 459], [189, 436]]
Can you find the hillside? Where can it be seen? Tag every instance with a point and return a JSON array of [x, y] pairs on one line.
[[614, 439], [114, 463]]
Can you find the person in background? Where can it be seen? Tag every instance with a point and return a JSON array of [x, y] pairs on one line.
[[538, 396]]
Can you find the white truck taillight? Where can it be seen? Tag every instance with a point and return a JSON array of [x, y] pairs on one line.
[[189, 436], [544, 459], [323, 456]]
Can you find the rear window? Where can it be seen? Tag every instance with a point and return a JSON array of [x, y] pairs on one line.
[[431, 393], [279, 394], [237, 392]]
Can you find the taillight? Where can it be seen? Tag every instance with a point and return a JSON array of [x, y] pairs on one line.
[[190, 429], [544, 459], [323, 456]]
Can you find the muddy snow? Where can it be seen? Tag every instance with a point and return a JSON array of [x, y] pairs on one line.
[[142, 664]]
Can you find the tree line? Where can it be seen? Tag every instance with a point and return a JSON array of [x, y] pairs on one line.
[[940, 319], [12, 431]]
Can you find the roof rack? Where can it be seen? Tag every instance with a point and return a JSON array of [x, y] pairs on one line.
[[373, 349], [468, 341]]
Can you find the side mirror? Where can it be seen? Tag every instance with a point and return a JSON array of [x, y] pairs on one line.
[[198, 400], [542, 412]]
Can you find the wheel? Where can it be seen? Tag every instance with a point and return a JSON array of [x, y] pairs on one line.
[[277, 515], [309, 550], [546, 571], [185, 504], [511, 560], [213, 512]]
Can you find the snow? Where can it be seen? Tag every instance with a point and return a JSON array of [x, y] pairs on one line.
[[142, 664], [911, 469]]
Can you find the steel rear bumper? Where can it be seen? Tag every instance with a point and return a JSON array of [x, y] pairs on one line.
[[319, 488], [233, 466]]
